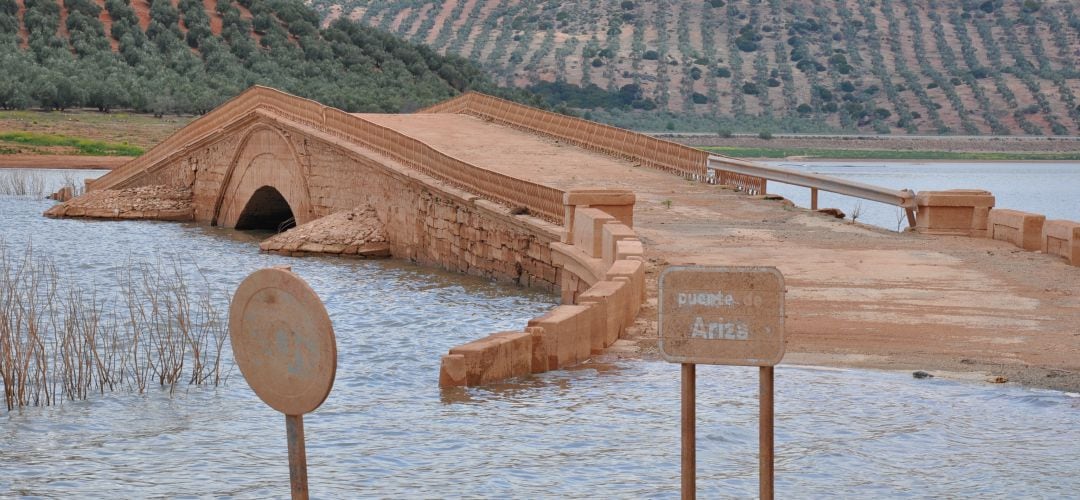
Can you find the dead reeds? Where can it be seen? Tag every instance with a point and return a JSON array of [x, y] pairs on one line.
[[61, 341], [23, 183]]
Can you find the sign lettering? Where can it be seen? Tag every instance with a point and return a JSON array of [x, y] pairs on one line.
[[722, 315]]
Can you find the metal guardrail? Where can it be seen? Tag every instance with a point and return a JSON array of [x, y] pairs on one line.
[[904, 198]]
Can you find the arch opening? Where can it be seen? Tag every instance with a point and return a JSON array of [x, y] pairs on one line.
[[266, 209]]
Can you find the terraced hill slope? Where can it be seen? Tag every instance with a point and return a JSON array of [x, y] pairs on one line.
[[915, 66]]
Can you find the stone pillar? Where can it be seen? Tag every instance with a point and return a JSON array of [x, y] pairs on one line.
[[960, 212], [618, 203]]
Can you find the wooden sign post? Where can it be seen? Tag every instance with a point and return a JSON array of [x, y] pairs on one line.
[[284, 344], [723, 316]]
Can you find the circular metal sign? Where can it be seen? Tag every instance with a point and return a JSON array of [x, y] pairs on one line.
[[283, 341]]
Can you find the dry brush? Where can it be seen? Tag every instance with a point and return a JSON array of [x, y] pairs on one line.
[[62, 341]]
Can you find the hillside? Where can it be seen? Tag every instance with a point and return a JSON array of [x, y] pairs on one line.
[[188, 56], [887, 66]]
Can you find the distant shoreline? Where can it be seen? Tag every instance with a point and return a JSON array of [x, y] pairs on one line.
[[815, 154], [81, 162], [887, 148], [66, 162]]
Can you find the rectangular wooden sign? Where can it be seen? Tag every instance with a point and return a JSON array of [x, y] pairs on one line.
[[722, 315]]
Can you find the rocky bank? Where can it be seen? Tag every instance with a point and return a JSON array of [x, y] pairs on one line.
[[356, 232]]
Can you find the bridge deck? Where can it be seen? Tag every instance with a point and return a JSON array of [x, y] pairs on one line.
[[506, 150], [857, 295]]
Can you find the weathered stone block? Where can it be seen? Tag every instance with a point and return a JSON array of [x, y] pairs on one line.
[[1022, 229], [610, 297], [566, 335], [611, 234], [962, 212], [634, 271], [629, 249], [619, 203], [496, 357], [1062, 237], [452, 372], [541, 348], [588, 227]]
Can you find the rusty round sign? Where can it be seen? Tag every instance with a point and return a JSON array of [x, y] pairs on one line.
[[283, 341]]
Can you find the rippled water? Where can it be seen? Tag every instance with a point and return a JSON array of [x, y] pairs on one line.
[[599, 430], [1049, 188]]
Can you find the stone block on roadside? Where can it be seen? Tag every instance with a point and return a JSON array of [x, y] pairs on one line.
[[1022, 229], [960, 212], [1062, 238]]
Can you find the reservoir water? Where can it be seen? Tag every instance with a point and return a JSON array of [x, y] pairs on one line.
[[1048, 188], [607, 428]]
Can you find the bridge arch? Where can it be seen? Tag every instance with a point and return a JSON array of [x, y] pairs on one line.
[[264, 179], [266, 209]]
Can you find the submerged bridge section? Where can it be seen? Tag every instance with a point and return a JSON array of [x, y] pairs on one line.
[[492, 188]]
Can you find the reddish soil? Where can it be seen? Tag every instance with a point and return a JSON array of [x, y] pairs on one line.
[[142, 11], [444, 12], [856, 295], [215, 19], [62, 30], [24, 35], [425, 12], [332, 15], [183, 26], [106, 21], [395, 25], [470, 5]]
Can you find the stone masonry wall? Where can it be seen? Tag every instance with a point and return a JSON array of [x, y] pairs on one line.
[[426, 221], [602, 271], [434, 224]]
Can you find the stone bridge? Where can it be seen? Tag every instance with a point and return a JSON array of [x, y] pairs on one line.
[[491, 188]]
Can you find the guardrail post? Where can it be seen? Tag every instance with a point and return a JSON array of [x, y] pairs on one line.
[[813, 198]]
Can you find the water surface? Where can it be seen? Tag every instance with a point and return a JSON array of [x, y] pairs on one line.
[[1048, 188], [603, 429]]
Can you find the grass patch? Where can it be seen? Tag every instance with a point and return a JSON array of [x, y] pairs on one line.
[[87, 147], [93, 117], [882, 154]]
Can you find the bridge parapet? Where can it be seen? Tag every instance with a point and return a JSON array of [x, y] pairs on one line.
[[603, 286], [541, 201], [685, 161]]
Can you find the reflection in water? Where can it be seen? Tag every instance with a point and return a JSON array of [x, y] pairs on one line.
[[601, 429]]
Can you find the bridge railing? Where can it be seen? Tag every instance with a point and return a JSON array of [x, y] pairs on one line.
[[648, 151], [659, 154], [541, 201], [218, 119]]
